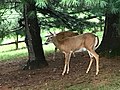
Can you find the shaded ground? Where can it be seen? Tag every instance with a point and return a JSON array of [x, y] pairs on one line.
[[12, 77]]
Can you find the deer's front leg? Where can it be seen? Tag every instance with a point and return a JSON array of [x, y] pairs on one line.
[[66, 63], [68, 67]]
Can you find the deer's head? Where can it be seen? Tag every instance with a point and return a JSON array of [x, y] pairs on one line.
[[49, 38]]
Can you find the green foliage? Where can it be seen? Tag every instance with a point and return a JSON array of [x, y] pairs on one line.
[[86, 3], [31, 14], [9, 23], [111, 5], [114, 6], [94, 3], [103, 4], [70, 2], [4, 29], [41, 3]]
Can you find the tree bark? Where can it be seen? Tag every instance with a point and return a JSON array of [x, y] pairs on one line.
[[111, 37], [33, 39]]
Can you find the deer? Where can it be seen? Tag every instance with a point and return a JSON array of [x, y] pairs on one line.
[[60, 36], [68, 45]]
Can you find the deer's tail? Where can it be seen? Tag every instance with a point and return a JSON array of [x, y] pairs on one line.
[[96, 42]]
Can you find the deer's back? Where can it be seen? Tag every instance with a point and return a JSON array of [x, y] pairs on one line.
[[62, 35]]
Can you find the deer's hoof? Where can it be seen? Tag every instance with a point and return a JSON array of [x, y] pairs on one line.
[[87, 71], [62, 74], [96, 73]]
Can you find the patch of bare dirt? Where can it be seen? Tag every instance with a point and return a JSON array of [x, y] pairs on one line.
[[12, 77]]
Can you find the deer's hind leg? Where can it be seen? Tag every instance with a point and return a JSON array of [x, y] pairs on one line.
[[96, 56], [91, 61]]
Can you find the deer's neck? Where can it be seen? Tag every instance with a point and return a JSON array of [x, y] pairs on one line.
[[56, 42]]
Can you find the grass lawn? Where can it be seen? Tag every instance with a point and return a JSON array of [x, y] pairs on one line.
[[8, 52]]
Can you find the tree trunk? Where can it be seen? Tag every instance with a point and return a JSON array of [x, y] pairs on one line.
[[16, 41], [111, 37], [33, 39]]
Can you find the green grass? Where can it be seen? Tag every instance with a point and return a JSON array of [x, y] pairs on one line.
[[13, 54], [8, 52], [91, 87], [112, 84]]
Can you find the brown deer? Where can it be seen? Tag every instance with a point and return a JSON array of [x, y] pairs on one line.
[[71, 44], [60, 36]]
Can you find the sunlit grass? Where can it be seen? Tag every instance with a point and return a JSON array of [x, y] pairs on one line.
[[11, 55], [8, 52], [12, 47], [48, 48]]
